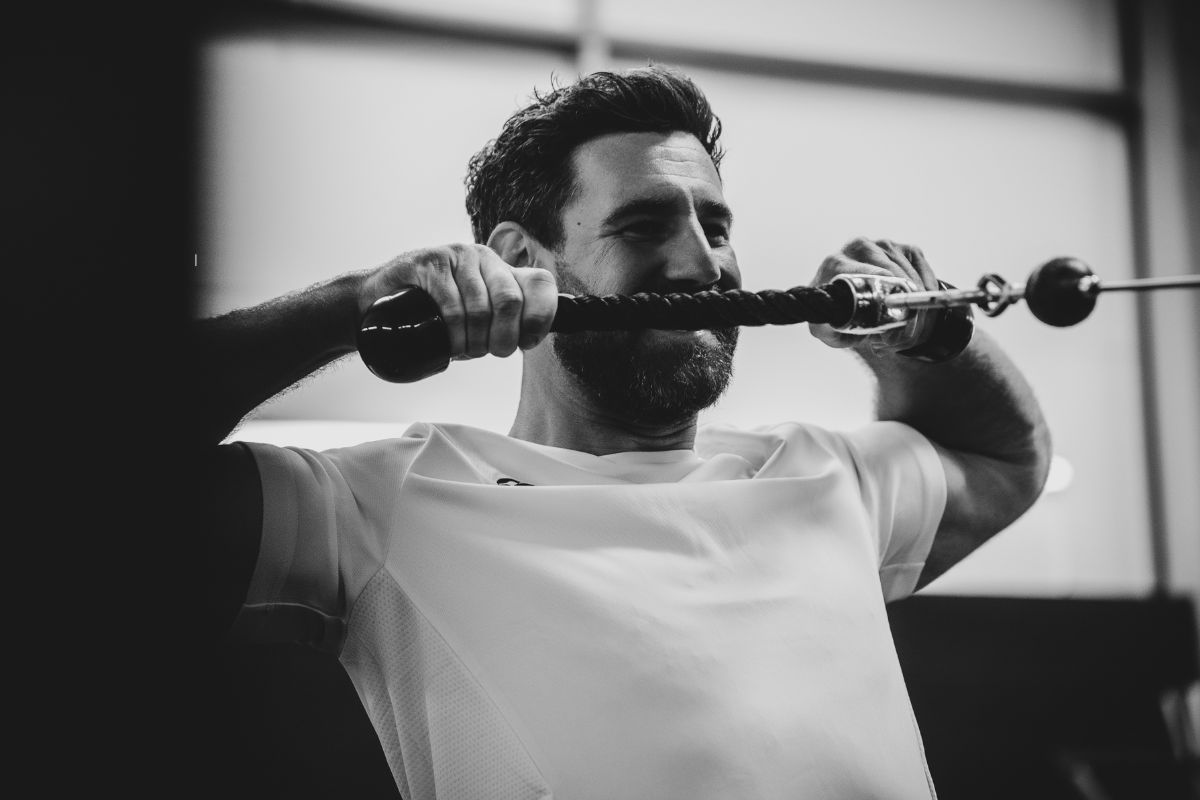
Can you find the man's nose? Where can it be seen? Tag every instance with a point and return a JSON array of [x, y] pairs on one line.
[[691, 260]]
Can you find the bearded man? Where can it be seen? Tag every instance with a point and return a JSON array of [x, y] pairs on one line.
[[613, 601]]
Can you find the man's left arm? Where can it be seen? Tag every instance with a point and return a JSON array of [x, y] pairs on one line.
[[983, 420], [976, 408]]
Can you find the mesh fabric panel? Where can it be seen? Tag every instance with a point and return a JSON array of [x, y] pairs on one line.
[[442, 735]]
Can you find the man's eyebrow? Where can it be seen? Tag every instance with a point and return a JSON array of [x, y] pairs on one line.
[[715, 209], [665, 206], [660, 206]]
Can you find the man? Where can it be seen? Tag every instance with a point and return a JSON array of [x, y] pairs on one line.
[[612, 601]]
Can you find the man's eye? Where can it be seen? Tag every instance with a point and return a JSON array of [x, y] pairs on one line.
[[717, 234], [646, 229]]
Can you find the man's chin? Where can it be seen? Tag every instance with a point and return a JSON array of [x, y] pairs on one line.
[[650, 376]]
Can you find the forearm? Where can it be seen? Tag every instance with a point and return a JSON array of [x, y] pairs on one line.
[[242, 359], [977, 404]]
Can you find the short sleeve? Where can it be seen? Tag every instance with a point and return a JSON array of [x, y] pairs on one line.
[[293, 593], [325, 517], [903, 487]]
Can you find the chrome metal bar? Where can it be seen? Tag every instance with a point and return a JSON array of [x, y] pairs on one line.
[[1147, 284]]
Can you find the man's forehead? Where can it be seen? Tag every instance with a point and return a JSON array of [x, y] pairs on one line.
[[620, 165]]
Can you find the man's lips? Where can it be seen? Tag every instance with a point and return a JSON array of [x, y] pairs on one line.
[[705, 336]]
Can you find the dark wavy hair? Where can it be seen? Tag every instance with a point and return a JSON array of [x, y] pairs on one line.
[[525, 174]]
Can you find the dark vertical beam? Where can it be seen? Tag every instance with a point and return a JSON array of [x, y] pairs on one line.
[[1186, 19], [106, 677], [1132, 46]]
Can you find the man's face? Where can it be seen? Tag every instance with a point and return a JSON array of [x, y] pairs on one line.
[[649, 215]]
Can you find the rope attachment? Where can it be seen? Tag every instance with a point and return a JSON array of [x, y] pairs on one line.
[[829, 304]]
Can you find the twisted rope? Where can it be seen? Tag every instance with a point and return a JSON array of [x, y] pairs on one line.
[[831, 304]]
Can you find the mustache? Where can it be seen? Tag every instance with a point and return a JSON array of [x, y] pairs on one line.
[[570, 283], [725, 283]]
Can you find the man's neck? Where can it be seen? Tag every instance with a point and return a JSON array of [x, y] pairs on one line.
[[555, 413]]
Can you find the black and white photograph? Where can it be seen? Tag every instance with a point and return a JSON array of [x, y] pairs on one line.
[[605, 399]]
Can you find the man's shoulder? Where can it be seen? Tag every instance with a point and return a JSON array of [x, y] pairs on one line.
[[792, 442], [806, 446], [720, 435]]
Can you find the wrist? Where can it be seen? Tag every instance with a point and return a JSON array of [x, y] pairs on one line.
[[950, 331], [343, 298]]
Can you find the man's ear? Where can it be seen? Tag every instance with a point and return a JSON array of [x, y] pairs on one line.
[[517, 246]]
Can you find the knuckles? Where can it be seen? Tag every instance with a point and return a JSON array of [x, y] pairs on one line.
[[507, 302], [438, 262], [837, 264], [539, 278], [454, 273], [445, 261], [477, 306], [858, 247]]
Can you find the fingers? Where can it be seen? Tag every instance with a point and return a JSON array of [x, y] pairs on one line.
[[879, 257], [523, 303], [912, 261], [539, 290], [474, 294], [885, 255], [434, 271], [488, 306]]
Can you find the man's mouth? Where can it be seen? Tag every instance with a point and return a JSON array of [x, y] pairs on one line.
[[677, 338]]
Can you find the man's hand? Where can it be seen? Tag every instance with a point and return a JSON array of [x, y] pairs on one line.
[[863, 256], [977, 410], [489, 306]]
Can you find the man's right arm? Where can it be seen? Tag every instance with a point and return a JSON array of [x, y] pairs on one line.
[[244, 358], [241, 359]]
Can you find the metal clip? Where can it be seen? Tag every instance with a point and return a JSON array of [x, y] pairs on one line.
[[871, 313]]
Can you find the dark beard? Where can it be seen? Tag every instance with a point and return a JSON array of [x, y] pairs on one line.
[[643, 381], [647, 384]]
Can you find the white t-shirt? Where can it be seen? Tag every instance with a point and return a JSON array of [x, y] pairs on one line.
[[523, 621]]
